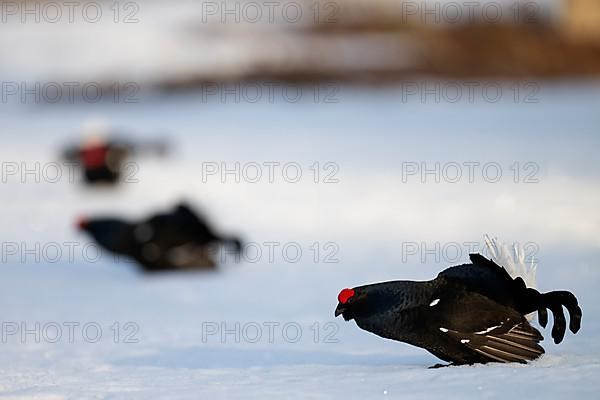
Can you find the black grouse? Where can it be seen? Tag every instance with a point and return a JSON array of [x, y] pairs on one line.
[[470, 313], [172, 241], [103, 161]]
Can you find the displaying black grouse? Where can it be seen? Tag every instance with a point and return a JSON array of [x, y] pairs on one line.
[[173, 241], [103, 161], [470, 313]]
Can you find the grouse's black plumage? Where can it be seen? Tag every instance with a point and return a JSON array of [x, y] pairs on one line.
[[470, 313], [169, 241]]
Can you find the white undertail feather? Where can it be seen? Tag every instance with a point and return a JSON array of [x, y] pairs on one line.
[[512, 259]]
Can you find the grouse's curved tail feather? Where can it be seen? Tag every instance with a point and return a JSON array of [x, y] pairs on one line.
[[524, 274], [554, 301], [531, 300]]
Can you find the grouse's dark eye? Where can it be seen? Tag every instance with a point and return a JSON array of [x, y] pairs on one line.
[[345, 295]]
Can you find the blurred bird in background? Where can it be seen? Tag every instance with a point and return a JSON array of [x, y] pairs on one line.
[[103, 154], [178, 240]]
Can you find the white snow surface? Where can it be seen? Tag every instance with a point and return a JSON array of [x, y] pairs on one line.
[[369, 214]]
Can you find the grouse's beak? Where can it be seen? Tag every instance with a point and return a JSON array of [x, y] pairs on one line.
[[339, 309]]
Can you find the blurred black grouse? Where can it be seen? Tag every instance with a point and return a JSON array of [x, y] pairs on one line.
[[103, 161], [470, 313], [173, 241]]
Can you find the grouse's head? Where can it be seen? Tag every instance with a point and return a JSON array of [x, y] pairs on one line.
[[350, 302], [89, 225]]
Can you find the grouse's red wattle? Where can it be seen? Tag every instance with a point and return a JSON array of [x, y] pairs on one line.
[[82, 223], [344, 295], [94, 156]]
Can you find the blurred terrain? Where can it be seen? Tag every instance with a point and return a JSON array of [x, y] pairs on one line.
[[182, 43]]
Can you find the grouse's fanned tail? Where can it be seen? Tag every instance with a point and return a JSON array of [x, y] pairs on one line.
[[528, 298]]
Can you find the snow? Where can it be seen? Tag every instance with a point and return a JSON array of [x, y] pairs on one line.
[[369, 214]]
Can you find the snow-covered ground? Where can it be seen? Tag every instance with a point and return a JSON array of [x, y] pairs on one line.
[[162, 336]]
